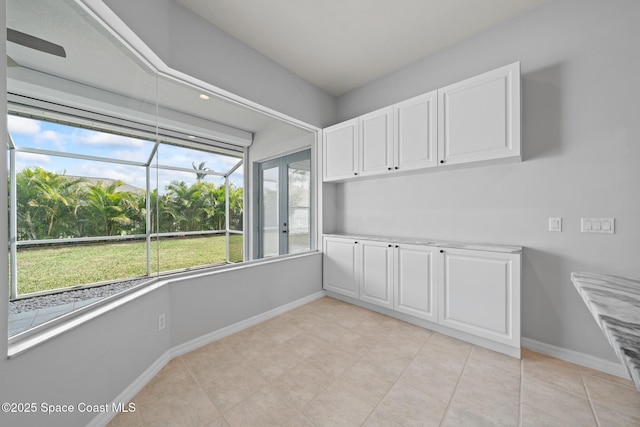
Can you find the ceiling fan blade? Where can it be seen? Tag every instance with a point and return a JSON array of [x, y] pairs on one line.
[[35, 43]]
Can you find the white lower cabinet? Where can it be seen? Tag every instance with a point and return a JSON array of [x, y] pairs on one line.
[[415, 278], [376, 273], [480, 294], [340, 266], [473, 291]]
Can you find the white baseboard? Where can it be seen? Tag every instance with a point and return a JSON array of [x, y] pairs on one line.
[[203, 340], [103, 418], [578, 358], [134, 388]]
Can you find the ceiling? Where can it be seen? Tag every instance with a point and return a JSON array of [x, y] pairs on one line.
[[97, 64], [339, 45]]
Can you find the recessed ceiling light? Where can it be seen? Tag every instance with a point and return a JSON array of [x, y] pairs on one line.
[[191, 137], [203, 96]]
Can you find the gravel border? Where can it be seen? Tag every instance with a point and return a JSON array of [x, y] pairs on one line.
[[66, 297]]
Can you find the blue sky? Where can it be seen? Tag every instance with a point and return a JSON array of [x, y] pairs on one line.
[[38, 134]]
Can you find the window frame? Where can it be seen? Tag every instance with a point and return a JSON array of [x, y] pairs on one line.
[[281, 162], [150, 235]]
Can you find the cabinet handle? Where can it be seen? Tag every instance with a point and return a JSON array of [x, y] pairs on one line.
[[356, 243], [396, 168], [441, 251], [390, 246], [389, 168], [397, 246], [355, 173], [441, 161]]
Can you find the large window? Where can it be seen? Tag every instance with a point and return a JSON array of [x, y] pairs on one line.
[[90, 207], [119, 171]]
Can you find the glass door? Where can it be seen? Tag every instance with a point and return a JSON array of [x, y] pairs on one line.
[[284, 214]]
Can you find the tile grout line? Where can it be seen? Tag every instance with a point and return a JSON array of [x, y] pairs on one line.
[[591, 403], [521, 391], [396, 380], [457, 383], [201, 387]]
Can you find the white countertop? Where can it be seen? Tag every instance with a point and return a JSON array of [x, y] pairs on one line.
[[488, 247]]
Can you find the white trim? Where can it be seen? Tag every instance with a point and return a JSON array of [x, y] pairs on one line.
[[112, 23], [241, 325], [138, 384], [103, 418], [576, 357], [434, 327]]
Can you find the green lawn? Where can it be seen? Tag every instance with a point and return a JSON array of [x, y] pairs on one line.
[[65, 266]]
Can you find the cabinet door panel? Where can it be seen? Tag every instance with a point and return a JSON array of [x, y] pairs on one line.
[[415, 280], [376, 283], [339, 266], [376, 142], [479, 118], [340, 151], [479, 294], [415, 134]]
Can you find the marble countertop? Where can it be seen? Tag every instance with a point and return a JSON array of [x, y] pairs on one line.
[[489, 247], [615, 304]]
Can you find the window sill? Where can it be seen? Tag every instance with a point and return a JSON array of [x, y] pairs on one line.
[[33, 337]]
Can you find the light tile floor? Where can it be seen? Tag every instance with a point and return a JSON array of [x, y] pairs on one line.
[[329, 363]]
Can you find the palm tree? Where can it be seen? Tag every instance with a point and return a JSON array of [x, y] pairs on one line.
[[107, 208], [200, 170], [47, 202]]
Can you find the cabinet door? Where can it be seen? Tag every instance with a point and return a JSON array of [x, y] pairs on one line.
[[480, 294], [376, 142], [415, 279], [340, 151], [479, 118], [340, 266], [376, 280], [416, 132]]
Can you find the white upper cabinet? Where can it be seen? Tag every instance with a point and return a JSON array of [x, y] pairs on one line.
[[376, 142], [416, 133], [479, 118], [480, 294], [340, 151]]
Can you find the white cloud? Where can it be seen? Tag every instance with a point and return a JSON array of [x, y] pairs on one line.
[[129, 175], [107, 139], [51, 137], [22, 125], [32, 158]]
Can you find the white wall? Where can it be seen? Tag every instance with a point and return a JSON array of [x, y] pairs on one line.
[[581, 140], [188, 43]]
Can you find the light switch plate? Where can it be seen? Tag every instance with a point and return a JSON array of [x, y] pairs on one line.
[[598, 225], [555, 224]]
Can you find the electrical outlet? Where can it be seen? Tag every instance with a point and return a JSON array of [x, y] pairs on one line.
[[162, 322]]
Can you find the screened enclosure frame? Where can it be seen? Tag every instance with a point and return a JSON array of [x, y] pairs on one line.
[[149, 166]]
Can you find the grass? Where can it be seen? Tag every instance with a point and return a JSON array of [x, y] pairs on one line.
[[43, 269]]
